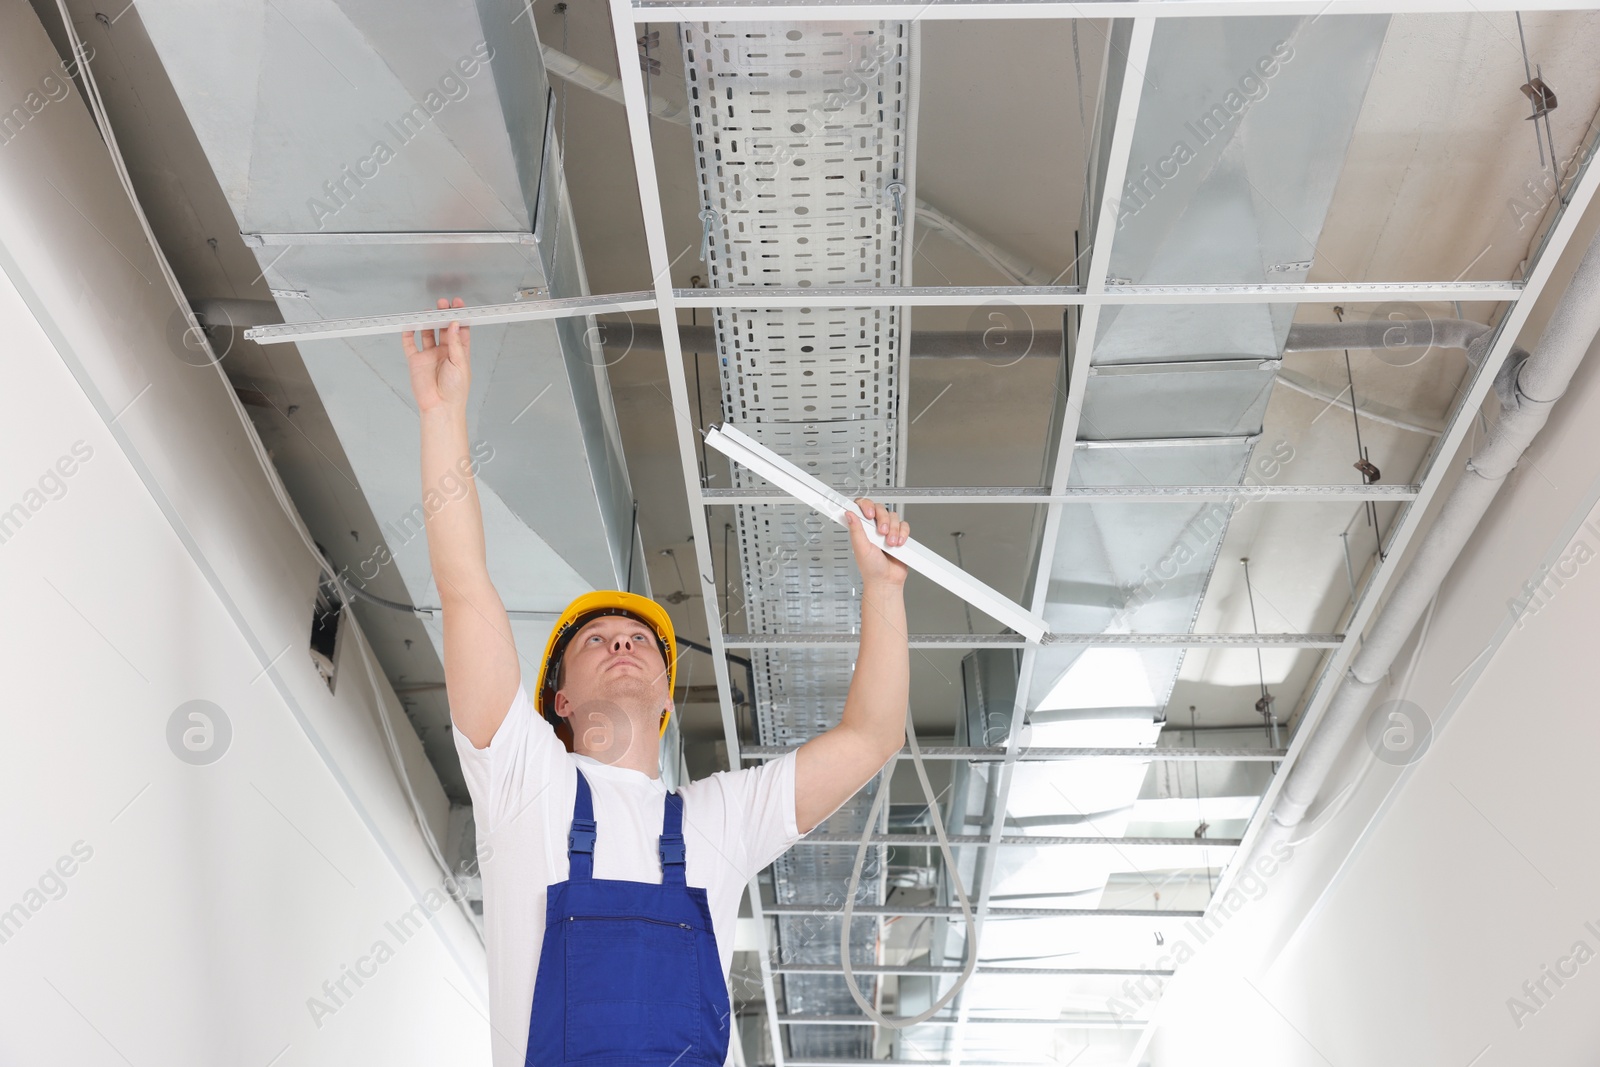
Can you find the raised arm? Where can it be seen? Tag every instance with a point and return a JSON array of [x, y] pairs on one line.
[[832, 766], [481, 673]]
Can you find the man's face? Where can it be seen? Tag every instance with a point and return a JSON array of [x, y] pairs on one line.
[[614, 660]]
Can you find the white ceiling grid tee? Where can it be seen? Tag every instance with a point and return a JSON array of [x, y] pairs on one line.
[[756, 458], [802, 145]]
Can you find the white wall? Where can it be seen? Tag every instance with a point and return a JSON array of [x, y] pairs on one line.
[[1399, 933], [206, 903]]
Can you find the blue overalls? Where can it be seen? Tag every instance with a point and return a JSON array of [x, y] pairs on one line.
[[629, 974]]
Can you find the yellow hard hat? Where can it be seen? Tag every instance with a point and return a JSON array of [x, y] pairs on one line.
[[591, 606]]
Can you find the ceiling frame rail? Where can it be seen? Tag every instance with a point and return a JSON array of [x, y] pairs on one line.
[[1121, 443], [429, 237], [956, 641], [924, 10], [482, 315], [1064, 295], [1041, 494], [1047, 755], [667, 300]]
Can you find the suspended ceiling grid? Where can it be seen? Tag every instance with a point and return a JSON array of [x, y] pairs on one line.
[[975, 549], [1090, 313], [1444, 54], [669, 299]]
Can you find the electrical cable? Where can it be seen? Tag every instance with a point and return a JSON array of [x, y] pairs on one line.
[[102, 117], [955, 878], [393, 605], [349, 586]]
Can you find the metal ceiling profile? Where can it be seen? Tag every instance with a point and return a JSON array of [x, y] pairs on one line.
[[803, 143], [379, 156]]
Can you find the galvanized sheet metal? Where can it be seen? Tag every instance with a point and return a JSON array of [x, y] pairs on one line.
[[361, 116], [1236, 195], [1213, 196]]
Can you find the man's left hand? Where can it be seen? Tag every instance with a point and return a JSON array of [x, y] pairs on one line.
[[877, 566]]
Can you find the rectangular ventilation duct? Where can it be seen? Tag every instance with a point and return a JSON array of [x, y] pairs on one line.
[[378, 156], [1207, 201], [1210, 198]]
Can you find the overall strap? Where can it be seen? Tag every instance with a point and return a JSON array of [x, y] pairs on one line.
[[671, 845], [580, 839]]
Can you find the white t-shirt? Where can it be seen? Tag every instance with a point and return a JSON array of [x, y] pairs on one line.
[[523, 785]]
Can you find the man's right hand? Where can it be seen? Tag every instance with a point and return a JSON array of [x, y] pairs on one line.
[[481, 667], [441, 364]]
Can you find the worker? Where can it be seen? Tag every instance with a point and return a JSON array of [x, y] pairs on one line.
[[609, 903]]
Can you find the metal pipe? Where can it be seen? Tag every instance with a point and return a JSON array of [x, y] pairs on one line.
[[1527, 385], [963, 344], [1383, 333], [1370, 410], [598, 81]]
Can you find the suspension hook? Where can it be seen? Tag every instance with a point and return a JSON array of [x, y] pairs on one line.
[[708, 219]]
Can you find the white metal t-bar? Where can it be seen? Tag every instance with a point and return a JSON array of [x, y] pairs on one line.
[[816, 495], [439, 318]]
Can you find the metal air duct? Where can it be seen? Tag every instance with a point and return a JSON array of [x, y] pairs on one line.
[[1210, 198], [378, 156]]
